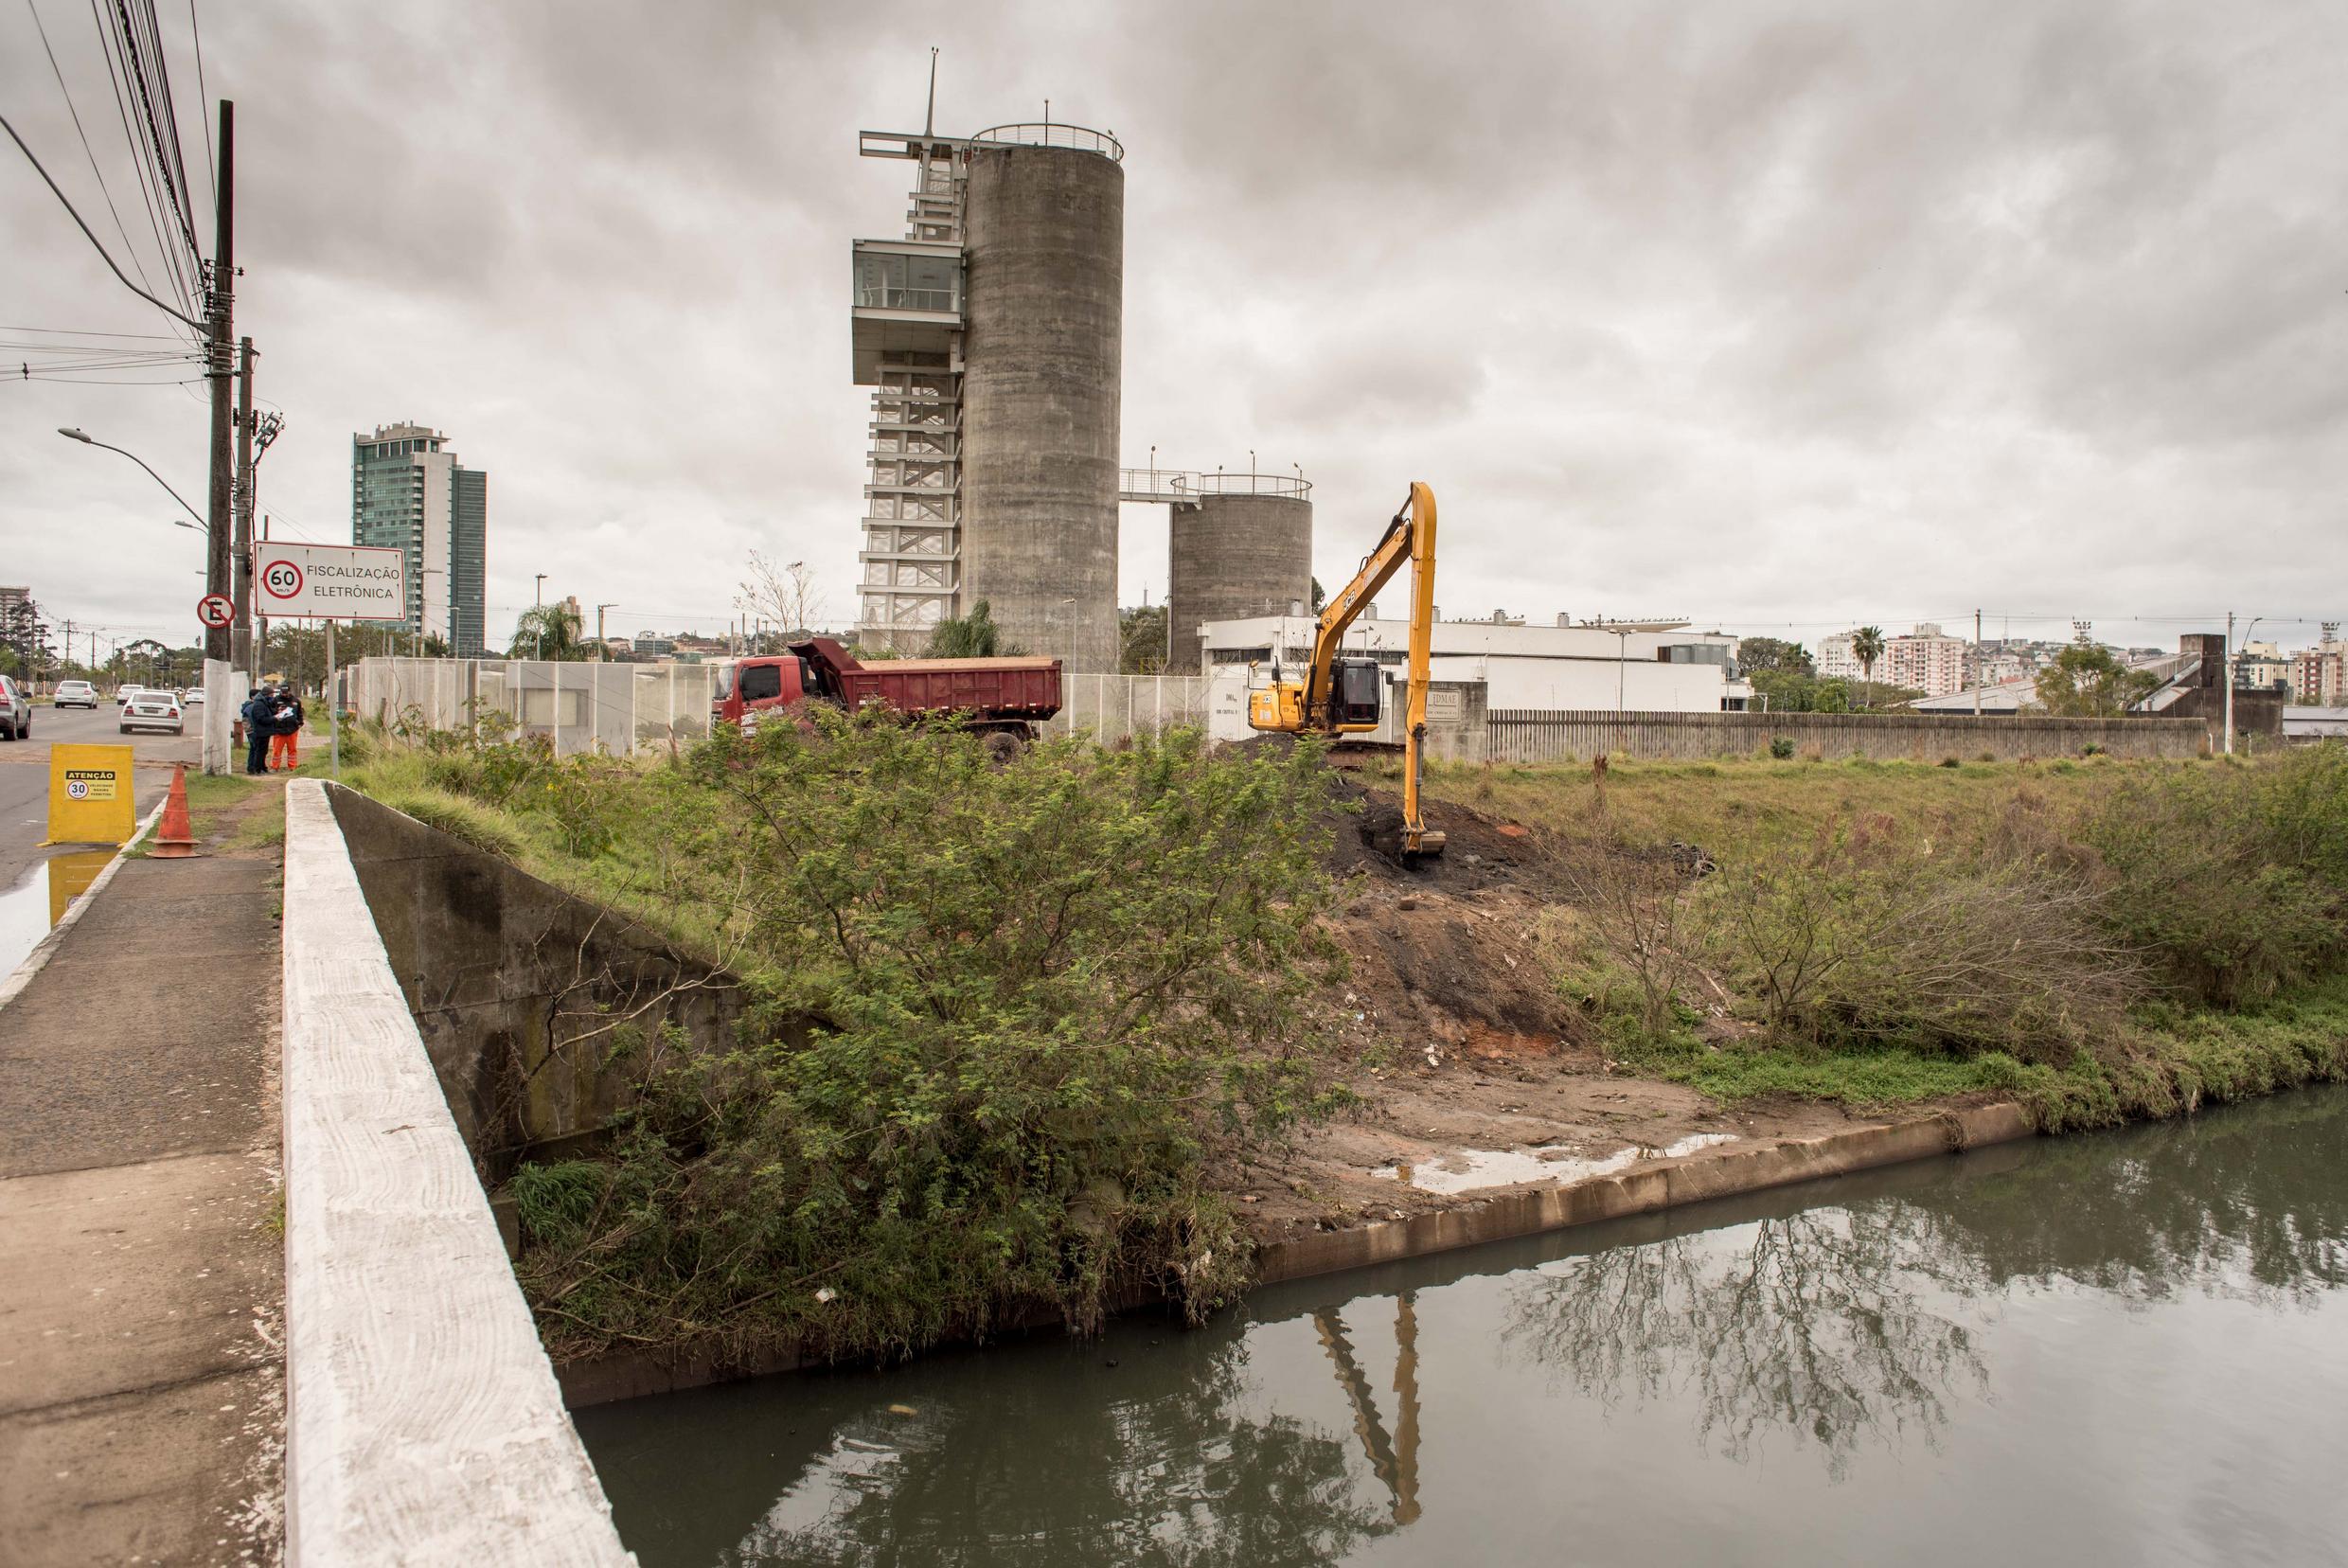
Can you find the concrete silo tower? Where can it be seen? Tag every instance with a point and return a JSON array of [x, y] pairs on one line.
[[994, 332]]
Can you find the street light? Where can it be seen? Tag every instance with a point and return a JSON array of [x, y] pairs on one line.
[[86, 440]]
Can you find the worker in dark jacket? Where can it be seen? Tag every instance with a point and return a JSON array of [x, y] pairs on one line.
[[255, 714], [285, 730]]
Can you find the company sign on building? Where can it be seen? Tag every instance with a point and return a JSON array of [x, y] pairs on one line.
[[344, 583]]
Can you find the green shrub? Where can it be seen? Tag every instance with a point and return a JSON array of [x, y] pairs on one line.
[[1010, 1010], [1781, 747], [2236, 879]]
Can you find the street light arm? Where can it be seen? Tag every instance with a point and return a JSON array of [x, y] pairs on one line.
[[86, 440]]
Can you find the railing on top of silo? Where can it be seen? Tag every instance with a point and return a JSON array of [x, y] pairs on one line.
[[1053, 133]]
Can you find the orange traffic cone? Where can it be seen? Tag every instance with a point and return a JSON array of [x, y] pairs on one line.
[[175, 839]]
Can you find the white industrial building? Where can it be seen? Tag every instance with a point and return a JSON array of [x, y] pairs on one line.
[[1644, 667]]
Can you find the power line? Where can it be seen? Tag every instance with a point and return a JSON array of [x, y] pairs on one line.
[[70, 331], [85, 228], [128, 249], [117, 70], [203, 96]]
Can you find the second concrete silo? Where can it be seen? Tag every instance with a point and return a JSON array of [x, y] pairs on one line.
[[1042, 355], [1235, 557]]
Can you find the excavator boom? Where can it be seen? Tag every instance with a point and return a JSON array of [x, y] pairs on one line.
[[1342, 696]]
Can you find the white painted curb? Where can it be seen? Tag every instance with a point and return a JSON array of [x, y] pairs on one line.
[[47, 948], [423, 1424]]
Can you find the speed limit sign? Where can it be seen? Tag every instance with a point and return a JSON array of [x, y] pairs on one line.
[[282, 578], [215, 611]]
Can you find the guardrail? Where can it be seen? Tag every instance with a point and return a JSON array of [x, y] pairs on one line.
[[1052, 134], [1181, 485]]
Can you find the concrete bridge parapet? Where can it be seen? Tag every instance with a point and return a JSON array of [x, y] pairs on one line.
[[423, 1425]]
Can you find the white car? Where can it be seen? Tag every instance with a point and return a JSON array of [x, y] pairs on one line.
[[192, 697], [75, 694], [157, 711], [127, 690]]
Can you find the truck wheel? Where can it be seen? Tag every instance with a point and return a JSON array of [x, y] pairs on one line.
[[1001, 747]]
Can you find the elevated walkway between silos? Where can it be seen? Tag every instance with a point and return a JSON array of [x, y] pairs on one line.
[[1185, 487]]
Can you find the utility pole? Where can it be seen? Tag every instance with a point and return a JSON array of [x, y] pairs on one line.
[[219, 367], [1978, 665], [2226, 674], [602, 652], [244, 651]]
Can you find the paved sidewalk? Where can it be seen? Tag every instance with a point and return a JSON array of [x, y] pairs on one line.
[[141, 1272]]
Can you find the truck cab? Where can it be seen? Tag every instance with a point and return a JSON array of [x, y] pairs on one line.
[[762, 684]]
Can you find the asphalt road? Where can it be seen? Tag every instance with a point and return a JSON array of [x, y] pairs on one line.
[[25, 775]]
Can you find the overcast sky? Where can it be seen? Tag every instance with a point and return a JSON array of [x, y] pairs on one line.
[[1782, 318]]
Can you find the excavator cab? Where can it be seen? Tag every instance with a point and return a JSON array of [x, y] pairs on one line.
[[1357, 685]]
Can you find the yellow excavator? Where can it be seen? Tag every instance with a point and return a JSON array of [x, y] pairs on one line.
[[1341, 695]]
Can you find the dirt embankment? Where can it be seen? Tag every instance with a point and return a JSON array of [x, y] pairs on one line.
[[1476, 1073]]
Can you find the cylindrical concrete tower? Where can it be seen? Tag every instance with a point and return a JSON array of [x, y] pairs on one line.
[[1235, 556], [1042, 354]]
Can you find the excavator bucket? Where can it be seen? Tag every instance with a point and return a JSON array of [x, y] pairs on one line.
[[1385, 829]]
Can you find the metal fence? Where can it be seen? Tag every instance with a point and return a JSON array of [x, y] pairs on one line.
[[621, 707], [613, 708], [1109, 707]]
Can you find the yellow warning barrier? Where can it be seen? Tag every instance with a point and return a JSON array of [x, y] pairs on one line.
[[90, 794]]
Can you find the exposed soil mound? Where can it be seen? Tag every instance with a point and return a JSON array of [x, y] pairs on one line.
[[1479, 851], [1454, 972]]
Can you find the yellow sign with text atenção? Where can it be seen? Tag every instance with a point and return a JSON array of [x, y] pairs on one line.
[[90, 795]]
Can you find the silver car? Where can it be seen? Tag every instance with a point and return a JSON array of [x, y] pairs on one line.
[[75, 694], [15, 709], [156, 710]]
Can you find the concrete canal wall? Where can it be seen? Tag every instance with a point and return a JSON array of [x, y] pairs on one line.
[[520, 989], [424, 1425]]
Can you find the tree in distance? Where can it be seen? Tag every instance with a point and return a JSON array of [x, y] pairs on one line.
[[784, 596], [1758, 655], [2088, 681], [971, 636], [1867, 647], [549, 632]]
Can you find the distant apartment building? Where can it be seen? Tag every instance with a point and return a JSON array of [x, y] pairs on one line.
[[1924, 660], [650, 645], [409, 492], [2319, 674], [2262, 666], [1998, 668]]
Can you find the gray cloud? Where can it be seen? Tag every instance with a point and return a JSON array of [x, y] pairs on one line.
[[1776, 314]]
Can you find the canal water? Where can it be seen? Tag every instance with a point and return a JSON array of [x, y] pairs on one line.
[[2126, 1348]]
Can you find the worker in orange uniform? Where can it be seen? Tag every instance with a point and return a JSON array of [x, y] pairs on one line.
[[285, 731]]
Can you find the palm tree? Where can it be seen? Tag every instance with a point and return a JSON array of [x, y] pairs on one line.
[[1867, 647], [548, 632]]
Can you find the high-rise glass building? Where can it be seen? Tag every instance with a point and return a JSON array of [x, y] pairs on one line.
[[409, 492]]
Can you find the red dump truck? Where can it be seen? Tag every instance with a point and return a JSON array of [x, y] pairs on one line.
[[998, 697]]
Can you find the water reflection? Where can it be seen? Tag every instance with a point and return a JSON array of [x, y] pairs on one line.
[[2087, 1332], [1851, 1326], [39, 900], [1823, 1325], [1182, 1479]]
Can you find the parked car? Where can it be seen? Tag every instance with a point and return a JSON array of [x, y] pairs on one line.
[[75, 694], [157, 711], [15, 709]]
